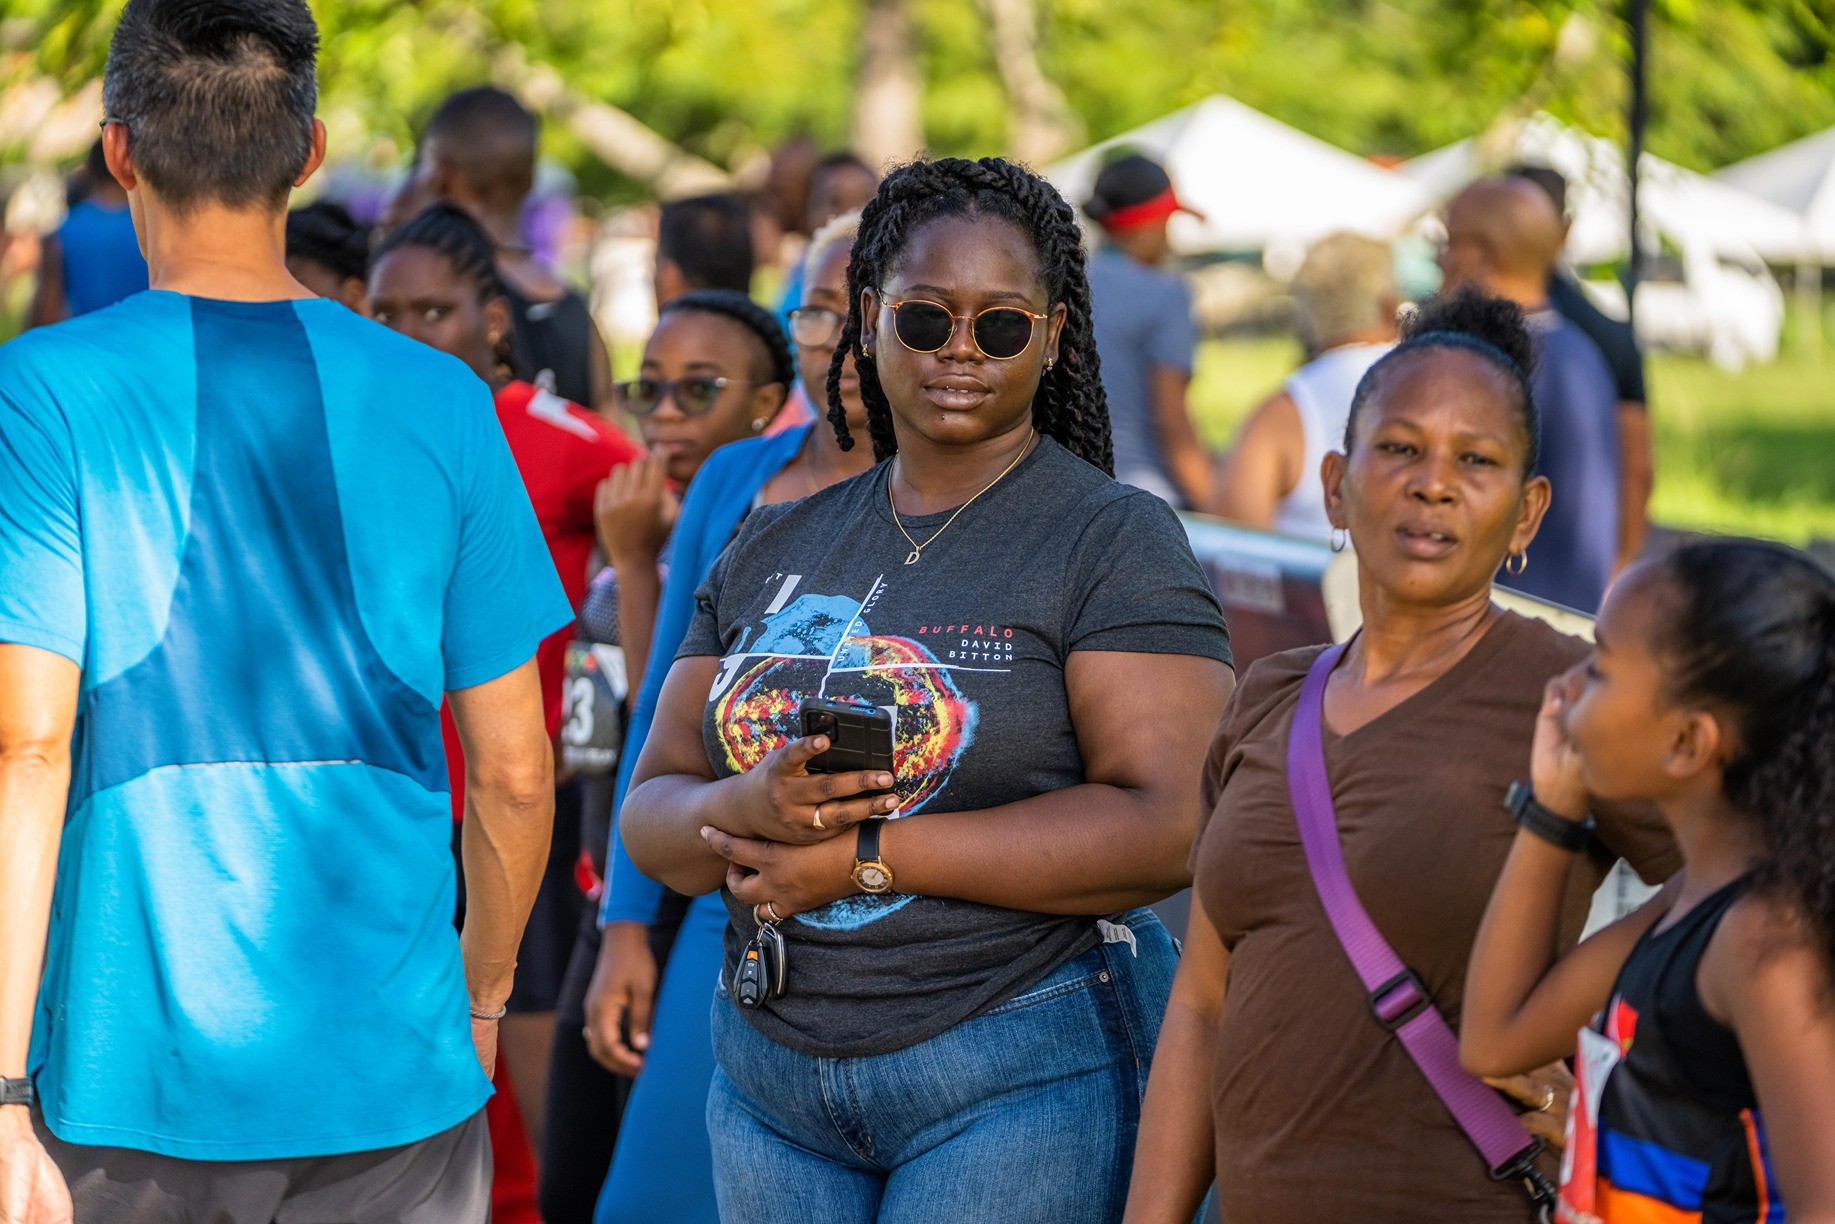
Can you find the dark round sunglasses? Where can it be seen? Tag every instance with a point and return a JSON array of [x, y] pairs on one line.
[[815, 326], [1000, 332], [693, 395]]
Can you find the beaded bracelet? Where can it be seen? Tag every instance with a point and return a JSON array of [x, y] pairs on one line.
[[499, 1014]]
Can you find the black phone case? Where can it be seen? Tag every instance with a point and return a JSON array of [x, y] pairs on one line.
[[860, 738]]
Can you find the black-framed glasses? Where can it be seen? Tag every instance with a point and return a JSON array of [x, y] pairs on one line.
[[693, 395], [816, 326], [1000, 332]]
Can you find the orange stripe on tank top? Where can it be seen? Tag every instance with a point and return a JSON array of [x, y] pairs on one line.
[[1757, 1153]]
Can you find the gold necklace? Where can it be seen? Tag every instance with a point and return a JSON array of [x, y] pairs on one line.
[[917, 550]]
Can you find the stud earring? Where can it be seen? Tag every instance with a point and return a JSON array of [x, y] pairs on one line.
[[1049, 362], [758, 423]]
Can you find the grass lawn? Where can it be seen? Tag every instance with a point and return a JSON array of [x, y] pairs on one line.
[[1751, 453]]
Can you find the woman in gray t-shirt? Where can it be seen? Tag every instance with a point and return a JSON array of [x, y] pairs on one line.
[[1052, 660]]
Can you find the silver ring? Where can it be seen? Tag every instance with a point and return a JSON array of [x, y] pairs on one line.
[[771, 908], [1548, 1102], [819, 823]]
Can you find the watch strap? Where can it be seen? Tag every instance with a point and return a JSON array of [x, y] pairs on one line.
[[866, 846], [1570, 835], [17, 1092]]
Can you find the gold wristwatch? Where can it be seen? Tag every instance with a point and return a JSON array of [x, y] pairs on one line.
[[871, 875]]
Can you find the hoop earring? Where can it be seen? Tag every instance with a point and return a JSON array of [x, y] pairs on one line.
[[1340, 538], [1516, 563]]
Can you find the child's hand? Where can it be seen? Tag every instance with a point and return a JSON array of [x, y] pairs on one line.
[[1554, 766]]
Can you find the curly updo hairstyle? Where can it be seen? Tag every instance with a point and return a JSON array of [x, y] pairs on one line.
[[1070, 405], [1493, 328]]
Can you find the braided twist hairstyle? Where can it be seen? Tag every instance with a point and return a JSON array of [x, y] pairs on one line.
[[1070, 405], [741, 309], [449, 231]]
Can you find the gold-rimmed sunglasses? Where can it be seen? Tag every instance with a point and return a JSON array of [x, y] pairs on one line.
[[1000, 332]]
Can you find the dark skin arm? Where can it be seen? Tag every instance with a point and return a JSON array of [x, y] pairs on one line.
[[1118, 840], [1636, 478], [1766, 976], [1263, 466], [599, 375], [1185, 455], [48, 304], [1524, 1002], [1175, 1153]]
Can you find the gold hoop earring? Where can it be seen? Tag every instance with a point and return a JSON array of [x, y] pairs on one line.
[[1516, 563], [1340, 538]]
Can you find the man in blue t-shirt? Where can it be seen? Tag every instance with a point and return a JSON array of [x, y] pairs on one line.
[[94, 259], [248, 541], [1504, 236]]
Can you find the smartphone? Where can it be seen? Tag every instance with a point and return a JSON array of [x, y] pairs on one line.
[[859, 737]]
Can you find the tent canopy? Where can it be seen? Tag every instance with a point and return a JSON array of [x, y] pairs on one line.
[[1800, 177], [1697, 214], [1261, 184]]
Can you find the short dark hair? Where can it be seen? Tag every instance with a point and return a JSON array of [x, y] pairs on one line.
[[841, 159], [491, 139], [326, 234], [709, 238], [217, 97], [1552, 182], [774, 348]]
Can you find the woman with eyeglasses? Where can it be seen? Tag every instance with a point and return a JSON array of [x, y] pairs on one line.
[[913, 1010], [646, 1005]]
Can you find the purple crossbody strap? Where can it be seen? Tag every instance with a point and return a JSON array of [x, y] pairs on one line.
[[1398, 998]]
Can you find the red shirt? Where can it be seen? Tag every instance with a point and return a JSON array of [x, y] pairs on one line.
[[562, 452]]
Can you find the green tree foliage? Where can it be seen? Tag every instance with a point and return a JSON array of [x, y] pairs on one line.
[[726, 78]]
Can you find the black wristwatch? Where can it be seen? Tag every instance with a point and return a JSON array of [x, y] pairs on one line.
[[871, 875], [17, 1092], [1570, 835]]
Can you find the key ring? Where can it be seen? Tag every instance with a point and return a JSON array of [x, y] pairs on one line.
[[770, 906]]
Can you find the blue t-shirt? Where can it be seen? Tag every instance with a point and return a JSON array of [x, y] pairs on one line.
[[1142, 318], [272, 534], [101, 258], [1571, 558]]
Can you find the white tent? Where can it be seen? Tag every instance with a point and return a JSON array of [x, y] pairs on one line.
[[1262, 185], [1693, 212], [1800, 177]]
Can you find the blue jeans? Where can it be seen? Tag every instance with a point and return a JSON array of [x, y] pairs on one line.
[[1025, 1113]]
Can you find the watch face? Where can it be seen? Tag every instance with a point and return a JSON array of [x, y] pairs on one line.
[[873, 878]]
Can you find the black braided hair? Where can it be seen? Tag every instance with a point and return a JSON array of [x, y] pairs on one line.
[[731, 304], [1493, 328], [448, 230], [1749, 628], [1070, 405]]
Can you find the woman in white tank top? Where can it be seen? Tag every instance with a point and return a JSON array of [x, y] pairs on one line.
[[1346, 298]]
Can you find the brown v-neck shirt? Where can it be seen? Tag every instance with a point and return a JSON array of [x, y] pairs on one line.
[[1320, 1115]]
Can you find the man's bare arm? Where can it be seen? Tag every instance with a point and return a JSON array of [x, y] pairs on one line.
[[1636, 478], [509, 819]]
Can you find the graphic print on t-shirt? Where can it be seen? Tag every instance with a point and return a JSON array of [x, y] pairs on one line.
[[816, 645]]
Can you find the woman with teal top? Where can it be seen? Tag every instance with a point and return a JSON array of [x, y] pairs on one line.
[[662, 1169]]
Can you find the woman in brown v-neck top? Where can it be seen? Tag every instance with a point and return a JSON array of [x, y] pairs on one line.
[[1283, 1084]]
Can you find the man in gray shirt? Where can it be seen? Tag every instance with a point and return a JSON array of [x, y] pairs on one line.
[[1144, 334]]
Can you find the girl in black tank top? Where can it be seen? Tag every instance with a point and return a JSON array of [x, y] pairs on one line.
[[1705, 1074]]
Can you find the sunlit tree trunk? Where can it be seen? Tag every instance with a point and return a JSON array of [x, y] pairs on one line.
[[889, 97], [1041, 126]]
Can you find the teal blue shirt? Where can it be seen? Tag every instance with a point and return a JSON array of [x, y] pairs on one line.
[[272, 535]]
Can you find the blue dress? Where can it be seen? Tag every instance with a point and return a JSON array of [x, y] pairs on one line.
[[663, 1166]]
